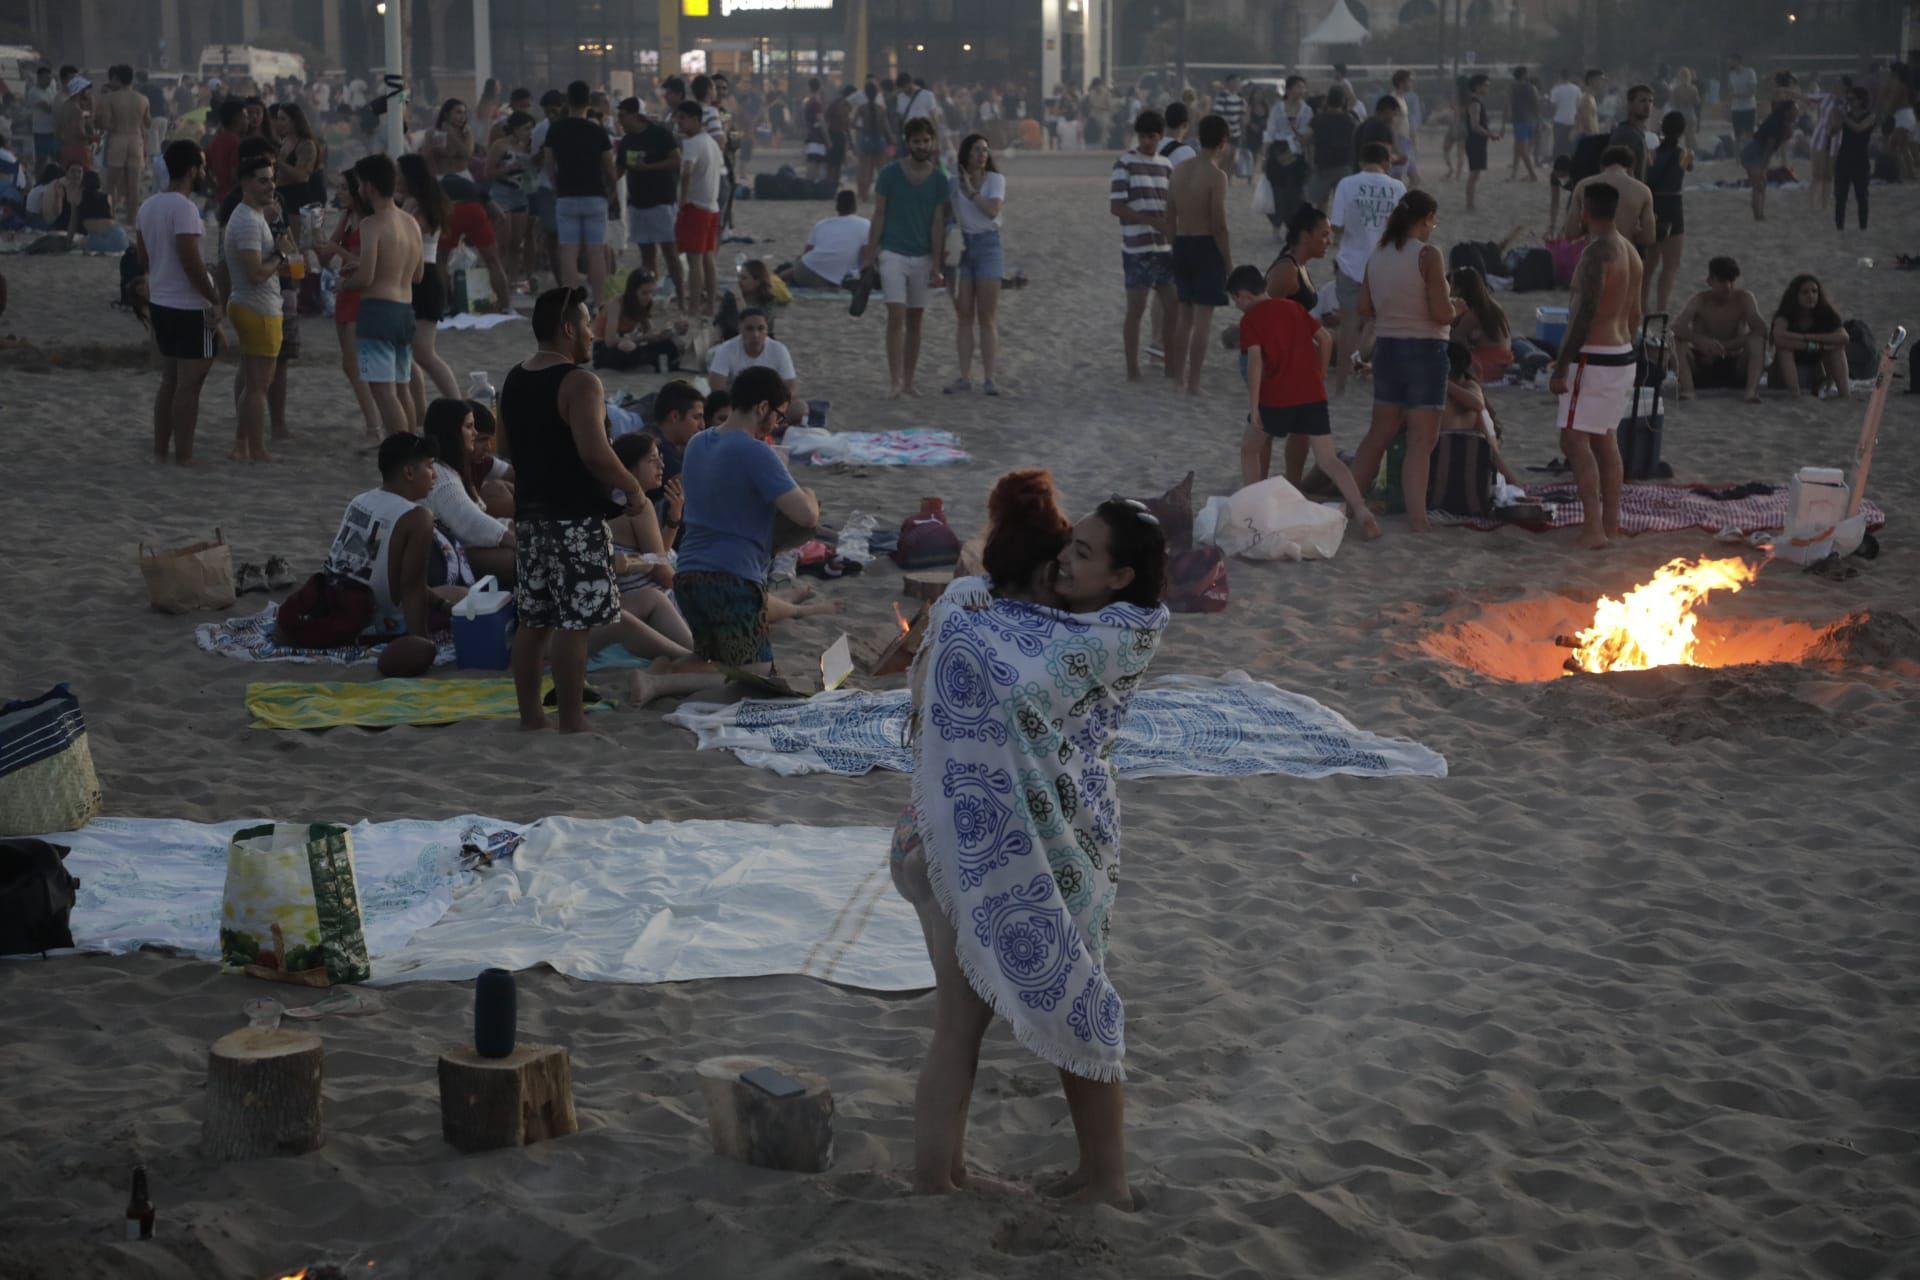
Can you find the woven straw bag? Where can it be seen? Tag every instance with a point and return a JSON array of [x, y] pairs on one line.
[[47, 782]]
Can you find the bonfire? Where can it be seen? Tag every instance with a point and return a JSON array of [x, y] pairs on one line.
[[1653, 624]]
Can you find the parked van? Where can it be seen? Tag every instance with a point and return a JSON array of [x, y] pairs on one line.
[[18, 63], [261, 66]]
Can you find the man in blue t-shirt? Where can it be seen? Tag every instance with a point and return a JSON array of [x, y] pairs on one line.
[[735, 485], [907, 243]]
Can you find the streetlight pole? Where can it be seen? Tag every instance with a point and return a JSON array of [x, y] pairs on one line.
[[396, 79]]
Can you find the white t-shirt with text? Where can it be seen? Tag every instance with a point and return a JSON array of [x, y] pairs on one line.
[[1362, 203]]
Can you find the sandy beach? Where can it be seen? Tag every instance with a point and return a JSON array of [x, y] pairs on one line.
[[1630, 993]]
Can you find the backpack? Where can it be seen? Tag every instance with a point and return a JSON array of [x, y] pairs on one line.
[[926, 540], [1531, 269], [1482, 255], [324, 612], [1863, 353], [36, 897]]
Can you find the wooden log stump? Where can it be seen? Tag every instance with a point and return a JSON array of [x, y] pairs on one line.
[[522, 1098], [927, 585], [794, 1134], [263, 1094]]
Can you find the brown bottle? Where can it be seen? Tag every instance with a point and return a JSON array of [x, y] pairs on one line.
[[139, 1208]]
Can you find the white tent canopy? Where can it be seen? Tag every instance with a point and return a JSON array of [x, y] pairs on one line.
[[1338, 27]]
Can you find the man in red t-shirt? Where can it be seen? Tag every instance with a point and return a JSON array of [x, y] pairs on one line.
[[223, 148], [1287, 353]]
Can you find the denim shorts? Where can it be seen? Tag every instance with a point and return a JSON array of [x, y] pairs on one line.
[[981, 258], [509, 197], [581, 219], [1410, 372]]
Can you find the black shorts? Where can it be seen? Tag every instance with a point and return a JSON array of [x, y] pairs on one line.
[[1719, 373], [180, 334], [1477, 152], [564, 574], [1743, 121], [430, 295], [1199, 272], [1296, 420]]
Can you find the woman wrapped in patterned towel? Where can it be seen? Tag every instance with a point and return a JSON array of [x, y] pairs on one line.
[[1010, 852]]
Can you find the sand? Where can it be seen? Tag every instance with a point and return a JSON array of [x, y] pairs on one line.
[[1629, 993]]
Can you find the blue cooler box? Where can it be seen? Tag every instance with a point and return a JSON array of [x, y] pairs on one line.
[[1550, 325], [483, 627]]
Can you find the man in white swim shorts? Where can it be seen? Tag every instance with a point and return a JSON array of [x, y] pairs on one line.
[[1593, 376]]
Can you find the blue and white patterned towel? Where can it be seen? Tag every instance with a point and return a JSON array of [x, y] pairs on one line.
[[1230, 726]]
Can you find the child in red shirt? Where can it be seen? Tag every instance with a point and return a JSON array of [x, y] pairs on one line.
[[1287, 353]]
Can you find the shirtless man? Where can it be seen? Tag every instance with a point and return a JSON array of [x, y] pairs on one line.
[[127, 117], [1605, 308], [1634, 197], [1197, 204], [390, 265], [1586, 116], [1720, 328]]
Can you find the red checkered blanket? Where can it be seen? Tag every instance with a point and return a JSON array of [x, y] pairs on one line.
[[1660, 508]]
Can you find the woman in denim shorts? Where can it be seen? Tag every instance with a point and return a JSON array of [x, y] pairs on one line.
[[978, 192], [512, 177], [1405, 293]]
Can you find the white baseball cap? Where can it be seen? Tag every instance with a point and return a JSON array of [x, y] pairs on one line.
[[77, 86]]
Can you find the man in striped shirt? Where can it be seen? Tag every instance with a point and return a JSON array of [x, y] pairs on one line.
[[1137, 196], [1231, 107]]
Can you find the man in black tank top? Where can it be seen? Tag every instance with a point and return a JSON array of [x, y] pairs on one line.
[[553, 415]]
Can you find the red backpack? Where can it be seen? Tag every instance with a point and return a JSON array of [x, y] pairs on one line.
[[926, 540], [324, 612]]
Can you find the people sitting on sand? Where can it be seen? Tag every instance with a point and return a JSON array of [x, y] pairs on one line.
[[1467, 408], [679, 414], [455, 500], [832, 256], [385, 543], [760, 287], [1809, 342], [641, 532], [1483, 326], [627, 336], [1719, 337], [751, 348], [1636, 221], [492, 475], [735, 486], [719, 408], [1287, 353]]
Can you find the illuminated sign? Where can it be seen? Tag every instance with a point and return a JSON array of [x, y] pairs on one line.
[[730, 7]]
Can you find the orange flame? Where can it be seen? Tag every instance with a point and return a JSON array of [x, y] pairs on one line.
[[1652, 625], [301, 1274], [901, 618]]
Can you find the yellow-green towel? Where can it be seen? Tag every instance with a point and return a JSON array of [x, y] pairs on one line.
[[299, 704]]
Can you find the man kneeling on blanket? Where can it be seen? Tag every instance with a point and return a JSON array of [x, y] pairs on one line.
[[734, 485], [384, 543]]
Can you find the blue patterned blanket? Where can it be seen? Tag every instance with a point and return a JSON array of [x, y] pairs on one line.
[[1232, 726]]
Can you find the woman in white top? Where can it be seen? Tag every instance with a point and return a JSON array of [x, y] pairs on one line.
[[978, 192], [1405, 294], [456, 506], [420, 194], [1289, 135]]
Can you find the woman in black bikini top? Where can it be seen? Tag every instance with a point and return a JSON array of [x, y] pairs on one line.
[[1308, 235]]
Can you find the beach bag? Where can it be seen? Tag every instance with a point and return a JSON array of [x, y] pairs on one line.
[[1566, 258], [1263, 198], [1863, 353], [1272, 520], [324, 612], [1460, 475], [926, 540], [36, 897], [189, 578], [1197, 581], [291, 910], [47, 782], [1642, 431], [1533, 270]]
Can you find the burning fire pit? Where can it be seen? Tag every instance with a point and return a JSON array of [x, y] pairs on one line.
[[1658, 624]]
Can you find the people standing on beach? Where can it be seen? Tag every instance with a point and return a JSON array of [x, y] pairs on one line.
[[253, 255], [1362, 204], [1231, 107], [1475, 135], [385, 543], [1289, 136], [343, 248], [1405, 294], [906, 244], [390, 264], [43, 103], [1634, 132], [1334, 136], [1202, 247], [648, 156], [1683, 95], [1565, 98], [1719, 338], [1287, 353], [1523, 119], [873, 134], [1635, 207], [579, 160], [1381, 127], [979, 192], [512, 178], [449, 145], [1137, 196], [422, 197], [696, 225], [1603, 312], [735, 485], [1852, 157], [1586, 114], [1743, 83], [1666, 176], [127, 117], [299, 165], [553, 414], [183, 304], [75, 125], [1407, 166], [1769, 138], [1043, 880]]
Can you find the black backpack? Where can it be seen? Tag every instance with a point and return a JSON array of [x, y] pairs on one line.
[[1863, 353], [36, 897], [1482, 255], [1531, 269]]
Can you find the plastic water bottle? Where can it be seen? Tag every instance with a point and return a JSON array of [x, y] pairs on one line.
[[739, 263], [480, 387]]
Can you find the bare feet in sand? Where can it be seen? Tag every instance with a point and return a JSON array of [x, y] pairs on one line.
[[1075, 1189], [1592, 540], [1369, 528]]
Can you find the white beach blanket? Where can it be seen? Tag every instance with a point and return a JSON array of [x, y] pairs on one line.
[[608, 900], [476, 320], [1230, 726]]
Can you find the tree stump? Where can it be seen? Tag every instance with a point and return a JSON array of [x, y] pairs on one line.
[[794, 1134], [522, 1098], [927, 585], [263, 1094]]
